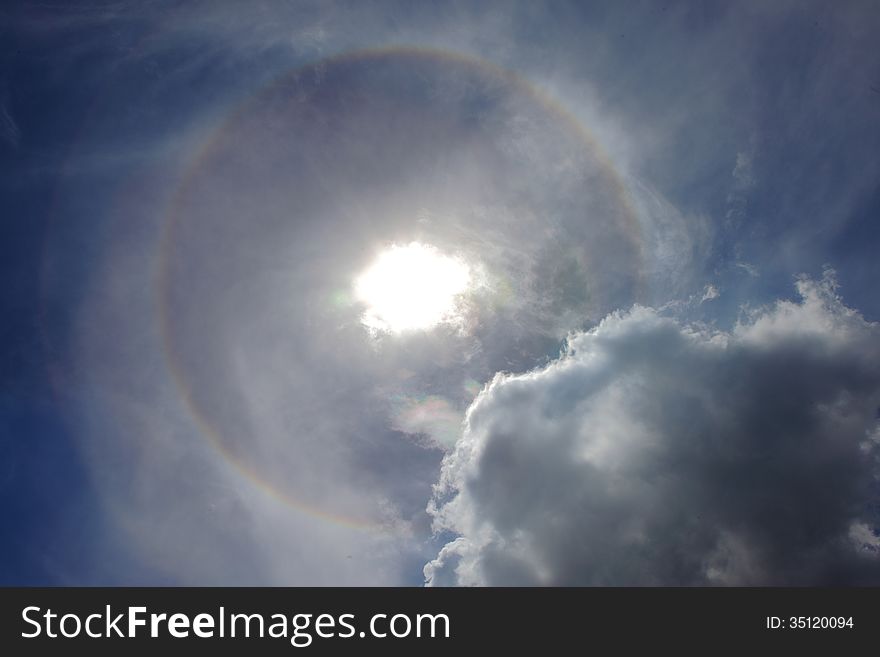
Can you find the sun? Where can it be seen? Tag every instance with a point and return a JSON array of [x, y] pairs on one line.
[[411, 287]]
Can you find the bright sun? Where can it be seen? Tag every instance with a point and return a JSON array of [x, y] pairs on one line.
[[411, 287]]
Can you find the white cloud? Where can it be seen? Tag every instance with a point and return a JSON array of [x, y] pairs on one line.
[[743, 184], [430, 416], [656, 453], [711, 292], [743, 172], [749, 268]]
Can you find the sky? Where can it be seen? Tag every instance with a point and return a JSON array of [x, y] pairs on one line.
[[461, 293]]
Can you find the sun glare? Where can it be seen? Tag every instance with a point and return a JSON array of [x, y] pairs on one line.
[[411, 287]]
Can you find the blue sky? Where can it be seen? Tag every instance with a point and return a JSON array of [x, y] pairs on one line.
[[191, 391]]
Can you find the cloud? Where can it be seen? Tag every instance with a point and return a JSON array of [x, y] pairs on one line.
[[711, 292], [657, 453], [679, 245], [743, 183], [430, 416], [749, 268]]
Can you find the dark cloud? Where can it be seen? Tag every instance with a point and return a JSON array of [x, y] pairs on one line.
[[656, 453]]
